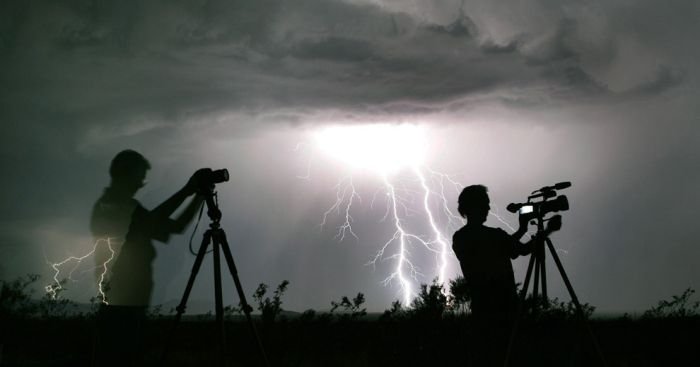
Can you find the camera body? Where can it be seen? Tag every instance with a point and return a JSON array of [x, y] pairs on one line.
[[208, 178], [218, 176], [532, 210], [550, 202]]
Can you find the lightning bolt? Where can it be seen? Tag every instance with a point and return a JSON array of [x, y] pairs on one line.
[[402, 257], [401, 199], [439, 238], [413, 191], [345, 193], [55, 288]]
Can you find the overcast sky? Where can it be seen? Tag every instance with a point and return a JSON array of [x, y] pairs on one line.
[[514, 96]]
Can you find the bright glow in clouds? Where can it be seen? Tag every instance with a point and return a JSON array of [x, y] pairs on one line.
[[382, 148], [396, 154]]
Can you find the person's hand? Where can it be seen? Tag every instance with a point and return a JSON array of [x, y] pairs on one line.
[[554, 224], [523, 221], [198, 180]]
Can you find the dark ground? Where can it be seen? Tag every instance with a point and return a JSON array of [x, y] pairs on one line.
[[333, 342]]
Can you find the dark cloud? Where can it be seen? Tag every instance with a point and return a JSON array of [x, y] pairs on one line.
[[664, 79], [98, 61], [557, 47], [582, 83], [462, 27], [490, 47], [335, 49]]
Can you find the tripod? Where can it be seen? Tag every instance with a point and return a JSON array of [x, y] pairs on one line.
[[216, 236], [537, 263]]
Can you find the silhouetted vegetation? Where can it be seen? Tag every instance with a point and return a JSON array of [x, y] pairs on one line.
[[553, 308], [396, 312], [460, 295], [16, 297], [431, 302], [435, 329], [17, 301], [270, 308], [350, 309], [677, 307]]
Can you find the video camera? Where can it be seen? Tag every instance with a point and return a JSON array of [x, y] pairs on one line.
[[538, 209]]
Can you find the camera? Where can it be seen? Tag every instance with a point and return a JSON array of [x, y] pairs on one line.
[[209, 178], [218, 176], [537, 209]]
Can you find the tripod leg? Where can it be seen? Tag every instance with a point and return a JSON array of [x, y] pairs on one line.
[[544, 276], [218, 298], [536, 285], [206, 239], [574, 299], [564, 277], [521, 308], [241, 295]]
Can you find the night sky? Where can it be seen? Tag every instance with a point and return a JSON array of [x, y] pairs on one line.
[[513, 96]]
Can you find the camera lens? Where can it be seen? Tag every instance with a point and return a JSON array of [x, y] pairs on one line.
[[561, 203], [219, 176]]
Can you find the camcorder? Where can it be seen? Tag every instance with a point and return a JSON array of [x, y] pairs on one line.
[[549, 202]]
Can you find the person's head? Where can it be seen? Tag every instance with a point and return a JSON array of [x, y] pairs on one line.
[[128, 170], [474, 204]]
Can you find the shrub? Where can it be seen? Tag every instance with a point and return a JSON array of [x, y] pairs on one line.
[[352, 309], [16, 300], [396, 312], [308, 316], [555, 309], [15, 296], [676, 307], [460, 295], [431, 301], [270, 308]]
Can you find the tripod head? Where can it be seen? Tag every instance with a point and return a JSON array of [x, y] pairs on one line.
[[207, 181], [212, 201]]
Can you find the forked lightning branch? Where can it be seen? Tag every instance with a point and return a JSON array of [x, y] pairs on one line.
[[395, 155], [72, 264]]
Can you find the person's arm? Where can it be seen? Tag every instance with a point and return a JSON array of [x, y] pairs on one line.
[[160, 225], [517, 235], [188, 214], [523, 222], [527, 248], [554, 224], [165, 209]]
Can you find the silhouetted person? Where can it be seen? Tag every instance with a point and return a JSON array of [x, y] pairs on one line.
[[485, 255], [131, 228]]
